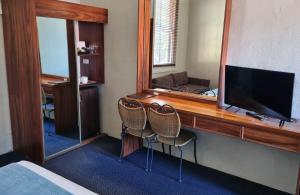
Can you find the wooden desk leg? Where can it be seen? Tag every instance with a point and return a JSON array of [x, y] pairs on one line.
[[298, 183], [131, 144]]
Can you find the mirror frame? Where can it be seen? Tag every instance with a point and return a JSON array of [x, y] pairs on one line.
[[144, 70]]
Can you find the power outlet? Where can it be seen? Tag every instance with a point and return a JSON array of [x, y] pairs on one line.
[[86, 61]]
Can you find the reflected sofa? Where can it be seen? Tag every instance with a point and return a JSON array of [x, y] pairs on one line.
[[181, 82]]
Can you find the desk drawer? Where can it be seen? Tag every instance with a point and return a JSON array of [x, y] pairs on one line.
[[187, 120], [277, 140], [218, 127]]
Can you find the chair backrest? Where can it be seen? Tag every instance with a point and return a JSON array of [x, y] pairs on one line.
[[44, 98], [132, 113], [164, 120]]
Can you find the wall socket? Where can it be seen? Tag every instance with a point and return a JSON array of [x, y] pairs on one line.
[[86, 61]]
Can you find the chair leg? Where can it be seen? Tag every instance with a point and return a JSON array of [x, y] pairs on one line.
[[148, 144], [180, 168], [163, 147], [170, 150], [195, 150], [122, 148], [150, 168]]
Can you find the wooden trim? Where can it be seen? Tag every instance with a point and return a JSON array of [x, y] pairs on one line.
[[71, 11], [23, 77], [163, 65], [144, 23], [54, 76], [144, 36], [224, 52]]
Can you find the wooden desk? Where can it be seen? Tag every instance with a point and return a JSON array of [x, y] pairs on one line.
[[208, 117], [65, 103]]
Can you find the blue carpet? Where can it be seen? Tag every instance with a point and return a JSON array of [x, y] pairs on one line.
[[96, 167], [55, 143]]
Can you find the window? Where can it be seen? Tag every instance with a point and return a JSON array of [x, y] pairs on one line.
[[165, 31]]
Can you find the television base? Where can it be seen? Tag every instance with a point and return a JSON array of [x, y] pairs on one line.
[[281, 123], [254, 115]]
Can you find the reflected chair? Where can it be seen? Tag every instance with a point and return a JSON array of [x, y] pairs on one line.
[[134, 122], [165, 122], [46, 105]]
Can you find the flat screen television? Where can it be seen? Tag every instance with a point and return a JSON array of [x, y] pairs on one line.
[[268, 93]]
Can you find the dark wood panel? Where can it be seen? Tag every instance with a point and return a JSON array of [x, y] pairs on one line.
[[23, 75], [186, 119], [71, 11], [66, 112], [218, 127], [93, 34], [277, 140], [90, 119]]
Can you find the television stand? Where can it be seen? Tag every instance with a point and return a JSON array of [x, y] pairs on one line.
[[254, 115], [281, 123]]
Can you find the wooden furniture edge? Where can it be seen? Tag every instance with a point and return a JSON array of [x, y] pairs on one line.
[[224, 52], [182, 95], [71, 11]]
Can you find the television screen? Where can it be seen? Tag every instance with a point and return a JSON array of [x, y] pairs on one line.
[[265, 92]]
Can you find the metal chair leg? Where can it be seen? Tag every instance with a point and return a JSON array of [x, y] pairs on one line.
[[180, 168], [195, 150], [170, 150], [150, 168], [148, 143], [122, 148], [163, 147]]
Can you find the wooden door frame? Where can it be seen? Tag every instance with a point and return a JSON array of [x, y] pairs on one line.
[[143, 65]]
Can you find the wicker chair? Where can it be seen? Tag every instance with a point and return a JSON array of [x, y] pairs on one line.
[[46, 105], [165, 122], [134, 122]]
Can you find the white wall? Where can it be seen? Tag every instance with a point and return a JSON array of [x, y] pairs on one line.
[[182, 42], [266, 34], [120, 59], [205, 39], [5, 126]]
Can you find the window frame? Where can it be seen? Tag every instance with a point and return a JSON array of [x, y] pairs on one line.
[[172, 63]]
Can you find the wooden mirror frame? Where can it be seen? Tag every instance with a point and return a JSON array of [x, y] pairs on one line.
[[143, 66]]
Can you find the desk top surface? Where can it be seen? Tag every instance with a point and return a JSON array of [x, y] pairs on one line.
[[211, 111]]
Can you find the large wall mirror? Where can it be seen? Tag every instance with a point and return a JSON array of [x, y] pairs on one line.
[[186, 44], [59, 83], [182, 48]]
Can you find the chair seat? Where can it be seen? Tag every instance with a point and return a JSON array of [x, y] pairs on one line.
[[49, 107], [147, 132], [184, 138]]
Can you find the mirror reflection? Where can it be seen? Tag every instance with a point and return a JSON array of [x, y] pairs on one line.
[[186, 41], [53, 44], [59, 85]]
